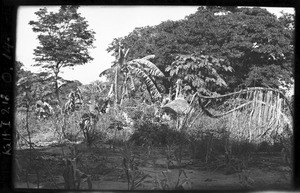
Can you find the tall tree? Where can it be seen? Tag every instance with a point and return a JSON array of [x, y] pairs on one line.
[[255, 43], [64, 40]]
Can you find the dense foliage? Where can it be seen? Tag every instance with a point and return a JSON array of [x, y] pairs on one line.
[[31, 87], [134, 74], [91, 141], [254, 44], [64, 40]]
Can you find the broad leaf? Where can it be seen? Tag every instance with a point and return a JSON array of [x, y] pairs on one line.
[[146, 63], [148, 81]]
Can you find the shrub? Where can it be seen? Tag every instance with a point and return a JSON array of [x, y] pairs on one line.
[[263, 147], [156, 134], [243, 148], [205, 143], [208, 138]]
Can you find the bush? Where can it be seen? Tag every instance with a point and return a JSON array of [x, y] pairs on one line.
[[243, 148], [39, 130], [156, 134], [208, 139], [264, 147]]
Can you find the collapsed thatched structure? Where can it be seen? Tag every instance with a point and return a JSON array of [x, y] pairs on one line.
[[176, 107], [254, 113]]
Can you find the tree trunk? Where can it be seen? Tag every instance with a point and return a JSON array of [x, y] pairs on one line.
[[56, 88], [116, 86], [29, 134], [121, 60]]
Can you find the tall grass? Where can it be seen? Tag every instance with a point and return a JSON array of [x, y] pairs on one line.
[[255, 114]]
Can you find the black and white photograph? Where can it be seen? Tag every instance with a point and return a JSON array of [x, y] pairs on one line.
[[115, 97]]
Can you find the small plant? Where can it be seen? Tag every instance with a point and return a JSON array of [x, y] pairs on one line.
[[172, 181], [135, 177], [72, 175], [154, 133], [245, 180], [286, 139], [170, 154]]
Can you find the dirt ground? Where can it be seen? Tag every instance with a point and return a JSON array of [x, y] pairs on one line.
[[104, 165]]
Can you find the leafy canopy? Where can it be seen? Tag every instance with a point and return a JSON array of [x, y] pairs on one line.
[[252, 41], [64, 38], [199, 73]]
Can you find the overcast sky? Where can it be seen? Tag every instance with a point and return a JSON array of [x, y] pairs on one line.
[[108, 22]]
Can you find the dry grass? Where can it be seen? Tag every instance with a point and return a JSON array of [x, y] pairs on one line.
[[255, 115]]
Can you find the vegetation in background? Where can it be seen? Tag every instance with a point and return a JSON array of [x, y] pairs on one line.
[[64, 40], [258, 47], [214, 51]]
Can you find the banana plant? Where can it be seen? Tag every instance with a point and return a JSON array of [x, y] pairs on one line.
[[137, 69]]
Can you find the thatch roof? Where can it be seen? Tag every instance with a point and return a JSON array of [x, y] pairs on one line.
[[176, 107]]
